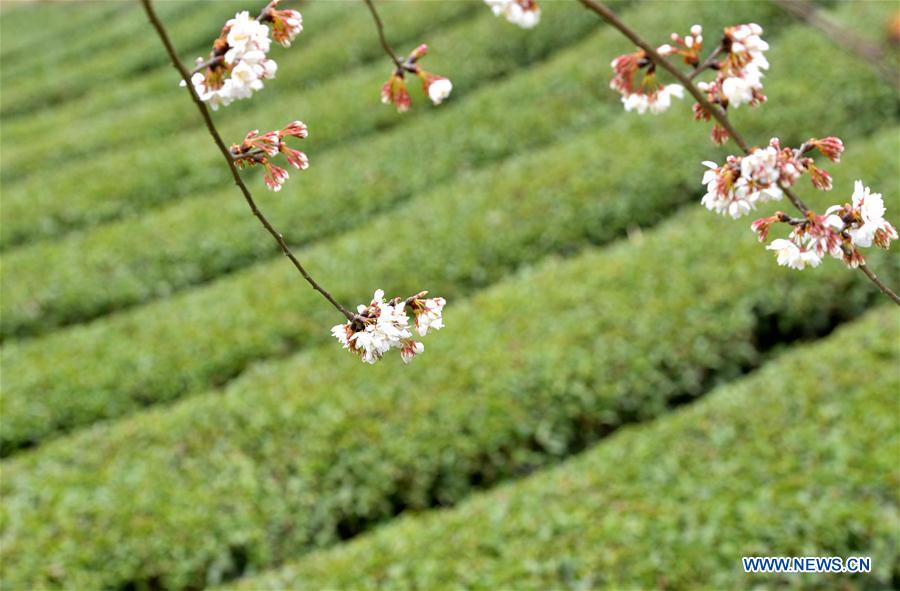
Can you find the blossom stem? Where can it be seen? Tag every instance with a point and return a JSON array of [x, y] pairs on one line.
[[204, 112], [707, 63], [384, 43], [211, 61], [874, 278], [243, 155], [716, 111]]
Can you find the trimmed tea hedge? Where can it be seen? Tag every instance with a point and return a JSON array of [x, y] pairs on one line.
[[798, 459], [551, 201], [21, 48], [126, 115], [166, 168], [296, 454]]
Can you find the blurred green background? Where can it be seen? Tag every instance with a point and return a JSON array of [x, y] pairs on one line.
[[628, 393]]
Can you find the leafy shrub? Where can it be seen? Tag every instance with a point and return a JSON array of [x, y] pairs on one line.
[[192, 341], [295, 454], [794, 460]]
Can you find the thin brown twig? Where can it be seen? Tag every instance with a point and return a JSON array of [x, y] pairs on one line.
[[707, 63], [384, 43], [210, 126], [247, 154], [716, 111], [203, 65]]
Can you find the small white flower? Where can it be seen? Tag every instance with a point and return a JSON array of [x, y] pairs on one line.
[[663, 98], [410, 349], [524, 13], [429, 314], [245, 34], [871, 210], [636, 102], [809, 257], [439, 89], [665, 50], [791, 255], [721, 195], [656, 103], [739, 89], [834, 222], [342, 334], [243, 75], [759, 176]]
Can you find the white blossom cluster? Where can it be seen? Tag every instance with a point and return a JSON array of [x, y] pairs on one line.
[[524, 13], [242, 53], [382, 326], [867, 225], [742, 183], [740, 78], [840, 233], [738, 186]]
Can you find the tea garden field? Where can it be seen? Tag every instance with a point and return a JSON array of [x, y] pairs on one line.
[[628, 392]]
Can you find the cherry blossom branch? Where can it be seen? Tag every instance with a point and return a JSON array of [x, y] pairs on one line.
[[384, 43], [210, 126], [808, 13], [715, 111]]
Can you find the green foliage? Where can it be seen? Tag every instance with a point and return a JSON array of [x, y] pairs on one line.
[[554, 200], [345, 107], [295, 453], [798, 459], [541, 357]]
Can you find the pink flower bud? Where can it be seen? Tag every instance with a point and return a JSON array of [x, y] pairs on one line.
[[296, 158], [295, 128], [418, 53], [719, 134], [394, 92], [831, 147], [274, 176], [820, 179]]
